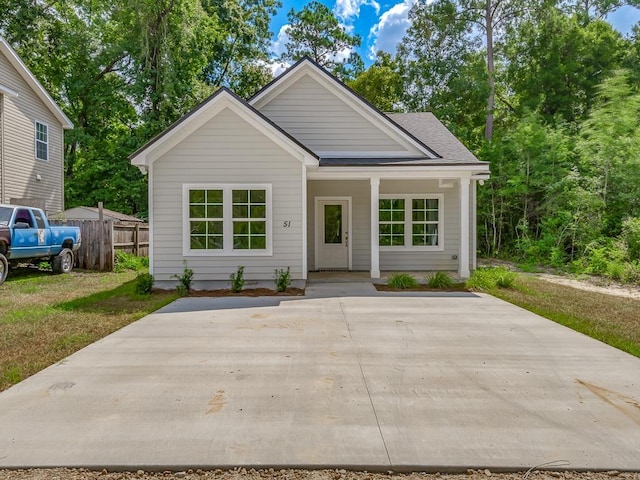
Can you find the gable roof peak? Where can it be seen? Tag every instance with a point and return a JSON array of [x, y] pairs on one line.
[[17, 63]]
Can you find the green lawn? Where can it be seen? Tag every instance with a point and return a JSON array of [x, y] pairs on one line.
[[45, 317], [611, 319]]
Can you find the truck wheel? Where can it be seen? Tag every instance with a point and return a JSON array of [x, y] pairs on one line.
[[4, 268], [63, 262]]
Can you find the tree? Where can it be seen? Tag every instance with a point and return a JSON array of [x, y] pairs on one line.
[[316, 32], [555, 64], [381, 84], [238, 59]]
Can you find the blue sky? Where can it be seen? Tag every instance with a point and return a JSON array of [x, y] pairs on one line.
[[381, 24]]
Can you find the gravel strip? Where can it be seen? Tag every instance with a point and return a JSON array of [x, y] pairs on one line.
[[271, 474]]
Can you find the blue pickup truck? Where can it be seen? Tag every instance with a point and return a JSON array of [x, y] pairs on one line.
[[25, 235]]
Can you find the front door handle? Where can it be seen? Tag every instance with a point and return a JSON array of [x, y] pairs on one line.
[[346, 239]]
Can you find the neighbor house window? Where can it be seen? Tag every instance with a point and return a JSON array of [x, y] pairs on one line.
[[42, 141], [411, 221], [225, 219]]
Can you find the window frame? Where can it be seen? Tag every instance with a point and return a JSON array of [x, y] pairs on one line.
[[36, 140], [227, 221], [408, 222]]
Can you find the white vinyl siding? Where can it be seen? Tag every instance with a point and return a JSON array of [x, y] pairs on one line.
[[21, 167], [227, 151], [324, 123]]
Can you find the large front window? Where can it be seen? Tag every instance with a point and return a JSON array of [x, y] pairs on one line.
[[410, 221], [227, 219]]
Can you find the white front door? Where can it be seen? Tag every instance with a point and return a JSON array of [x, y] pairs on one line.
[[332, 234]]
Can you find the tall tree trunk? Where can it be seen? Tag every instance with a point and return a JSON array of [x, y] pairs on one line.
[[488, 130]]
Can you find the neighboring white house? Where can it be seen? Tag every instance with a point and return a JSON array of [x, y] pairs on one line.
[[308, 175], [31, 138]]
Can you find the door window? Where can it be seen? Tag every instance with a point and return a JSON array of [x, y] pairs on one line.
[[333, 224]]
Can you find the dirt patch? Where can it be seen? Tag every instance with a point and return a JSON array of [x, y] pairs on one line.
[[460, 287], [591, 285], [277, 474], [248, 292]]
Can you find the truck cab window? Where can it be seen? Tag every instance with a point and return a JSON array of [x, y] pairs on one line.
[[25, 217]]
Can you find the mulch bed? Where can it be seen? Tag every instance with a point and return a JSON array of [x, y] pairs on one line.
[[460, 287], [248, 292]]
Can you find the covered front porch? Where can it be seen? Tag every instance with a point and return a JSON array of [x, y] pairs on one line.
[[379, 222]]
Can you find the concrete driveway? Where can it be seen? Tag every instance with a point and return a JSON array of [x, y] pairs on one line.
[[369, 381]]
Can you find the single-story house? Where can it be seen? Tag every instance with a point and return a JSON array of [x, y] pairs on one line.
[[93, 213], [308, 175]]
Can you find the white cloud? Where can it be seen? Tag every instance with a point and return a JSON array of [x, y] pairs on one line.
[[278, 45], [348, 9], [391, 27]]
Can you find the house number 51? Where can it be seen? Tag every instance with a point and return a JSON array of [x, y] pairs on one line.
[[286, 223]]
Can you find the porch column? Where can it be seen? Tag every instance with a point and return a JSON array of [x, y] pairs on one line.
[[375, 249], [463, 257]]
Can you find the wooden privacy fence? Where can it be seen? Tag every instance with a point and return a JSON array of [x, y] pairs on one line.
[[100, 240]]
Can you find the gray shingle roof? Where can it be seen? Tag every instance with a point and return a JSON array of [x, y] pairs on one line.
[[429, 130]]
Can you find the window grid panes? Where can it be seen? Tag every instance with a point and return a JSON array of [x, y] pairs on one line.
[[249, 211], [425, 217], [391, 220], [42, 141], [206, 212]]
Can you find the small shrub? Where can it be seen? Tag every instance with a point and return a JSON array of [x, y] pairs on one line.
[[283, 279], [491, 278], [631, 236], [402, 281], [144, 283], [439, 280], [237, 280], [631, 273], [184, 280]]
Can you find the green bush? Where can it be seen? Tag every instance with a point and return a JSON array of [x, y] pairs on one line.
[[237, 280], [491, 278], [439, 280], [402, 281], [126, 261], [184, 280], [631, 236], [144, 283], [283, 279], [631, 273]]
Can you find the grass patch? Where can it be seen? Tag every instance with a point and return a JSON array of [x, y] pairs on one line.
[[610, 319], [45, 318]]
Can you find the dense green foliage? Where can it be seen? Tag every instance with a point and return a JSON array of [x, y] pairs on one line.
[[563, 135], [402, 281], [547, 91]]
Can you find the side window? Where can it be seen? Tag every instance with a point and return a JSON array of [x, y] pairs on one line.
[[39, 221], [42, 141], [24, 216]]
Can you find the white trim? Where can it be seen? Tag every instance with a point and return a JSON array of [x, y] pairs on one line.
[[35, 140], [316, 218], [33, 82], [369, 154], [306, 67], [403, 173], [408, 222], [374, 183], [228, 250], [151, 221], [474, 224], [463, 256], [7, 91], [305, 267], [214, 106]]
